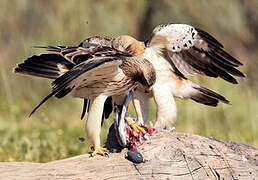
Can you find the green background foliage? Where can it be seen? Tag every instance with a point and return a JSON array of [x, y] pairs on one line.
[[53, 132]]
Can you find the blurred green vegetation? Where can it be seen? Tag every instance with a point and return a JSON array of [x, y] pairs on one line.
[[53, 132]]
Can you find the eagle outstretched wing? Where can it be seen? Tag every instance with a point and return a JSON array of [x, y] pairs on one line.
[[193, 51]]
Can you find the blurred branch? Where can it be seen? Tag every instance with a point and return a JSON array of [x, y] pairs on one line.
[[251, 18], [144, 26]]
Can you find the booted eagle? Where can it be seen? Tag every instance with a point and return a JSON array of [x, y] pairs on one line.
[[177, 51], [92, 72]]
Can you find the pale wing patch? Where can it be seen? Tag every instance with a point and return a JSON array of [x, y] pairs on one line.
[[176, 37]]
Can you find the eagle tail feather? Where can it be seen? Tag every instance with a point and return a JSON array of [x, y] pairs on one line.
[[208, 97]]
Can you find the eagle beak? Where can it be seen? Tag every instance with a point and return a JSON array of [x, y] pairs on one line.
[[148, 88]]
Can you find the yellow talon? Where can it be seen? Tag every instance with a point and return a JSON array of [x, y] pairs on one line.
[[135, 127], [100, 151]]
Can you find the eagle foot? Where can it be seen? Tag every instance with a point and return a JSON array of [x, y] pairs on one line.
[[134, 126], [99, 150]]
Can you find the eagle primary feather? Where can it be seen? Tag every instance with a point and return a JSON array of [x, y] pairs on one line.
[[193, 51]]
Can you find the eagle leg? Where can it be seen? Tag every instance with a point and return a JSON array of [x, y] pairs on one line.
[[93, 123], [141, 102]]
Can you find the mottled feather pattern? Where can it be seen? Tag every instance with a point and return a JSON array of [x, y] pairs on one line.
[[87, 50], [97, 40], [176, 37]]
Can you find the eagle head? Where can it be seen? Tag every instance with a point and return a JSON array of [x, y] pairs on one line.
[[130, 45]]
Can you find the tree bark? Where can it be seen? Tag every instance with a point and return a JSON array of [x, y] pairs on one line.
[[170, 155]]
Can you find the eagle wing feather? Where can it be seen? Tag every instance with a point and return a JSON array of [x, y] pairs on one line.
[[194, 51]]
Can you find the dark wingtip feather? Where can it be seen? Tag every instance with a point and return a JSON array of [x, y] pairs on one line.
[[209, 38], [228, 69], [224, 75], [218, 46], [228, 57], [25, 71], [44, 65]]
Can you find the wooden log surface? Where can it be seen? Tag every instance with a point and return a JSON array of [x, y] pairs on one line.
[[170, 155]]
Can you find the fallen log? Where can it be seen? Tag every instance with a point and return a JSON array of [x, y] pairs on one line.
[[170, 155]]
